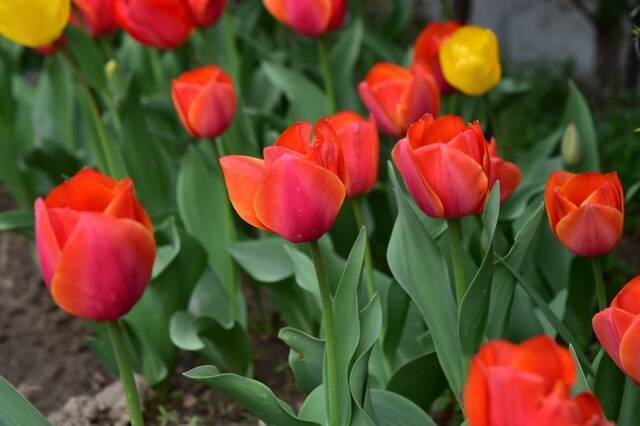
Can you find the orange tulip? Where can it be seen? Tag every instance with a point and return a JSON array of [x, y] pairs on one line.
[[506, 172], [205, 100], [586, 211], [445, 165], [397, 97], [206, 12], [95, 245], [360, 146], [164, 24], [526, 385], [618, 329], [427, 50], [297, 190], [99, 16], [308, 17]]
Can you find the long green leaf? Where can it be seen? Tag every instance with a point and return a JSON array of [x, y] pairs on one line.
[[16, 410]]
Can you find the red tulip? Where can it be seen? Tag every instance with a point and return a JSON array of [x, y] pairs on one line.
[[164, 24], [506, 172], [360, 146], [586, 211], [207, 12], [95, 244], [397, 97], [445, 165], [427, 50], [526, 385], [297, 190], [618, 329], [205, 100], [99, 16], [308, 17]]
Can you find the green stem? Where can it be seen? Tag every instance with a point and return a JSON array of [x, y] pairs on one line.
[[457, 258], [330, 335], [600, 289], [325, 66], [113, 111], [446, 10], [126, 373], [156, 67], [493, 121], [358, 212]]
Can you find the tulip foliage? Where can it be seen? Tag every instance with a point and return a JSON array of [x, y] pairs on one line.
[[175, 159]]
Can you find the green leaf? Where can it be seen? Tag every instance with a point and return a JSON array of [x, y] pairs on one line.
[[251, 394], [420, 380], [582, 384], [344, 57], [397, 308], [609, 386], [630, 409], [16, 220], [577, 112], [265, 259], [307, 101], [370, 326], [558, 306], [209, 299], [16, 410], [54, 161], [474, 309], [306, 358], [314, 408], [422, 279], [88, 56], [304, 271], [392, 409]]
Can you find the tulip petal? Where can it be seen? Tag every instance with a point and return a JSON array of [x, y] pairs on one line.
[[630, 350], [84, 287], [183, 94], [459, 181], [589, 407], [629, 297], [591, 230], [442, 129], [88, 190], [33, 23], [296, 137], [507, 173], [604, 326], [298, 199], [475, 397], [212, 110], [243, 175], [513, 396], [164, 24], [423, 95], [361, 151], [382, 117], [276, 9], [309, 17], [419, 189], [47, 241], [581, 185], [556, 179]]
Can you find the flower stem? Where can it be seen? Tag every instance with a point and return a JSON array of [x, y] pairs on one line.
[[358, 212], [600, 290], [330, 335], [325, 66], [126, 373], [455, 244]]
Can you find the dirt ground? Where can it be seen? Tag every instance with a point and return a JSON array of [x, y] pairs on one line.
[[43, 353]]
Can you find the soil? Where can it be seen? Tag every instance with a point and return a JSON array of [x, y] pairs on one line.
[[45, 356]]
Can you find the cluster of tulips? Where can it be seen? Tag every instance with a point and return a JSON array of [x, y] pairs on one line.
[[96, 244]]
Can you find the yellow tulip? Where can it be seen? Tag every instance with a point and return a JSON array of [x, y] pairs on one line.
[[33, 23], [470, 60]]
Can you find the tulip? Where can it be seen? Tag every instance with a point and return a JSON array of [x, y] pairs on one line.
[[297, 190], [526, 385], [427, 49], [33, 23], [206, 12], [506, 172], [99, 16], [95, 245], [205, 100], [52, 48], [618, 329], [164, 24], [360, 146], [470, 60], [445, 165], [586, 211], [308, 17]]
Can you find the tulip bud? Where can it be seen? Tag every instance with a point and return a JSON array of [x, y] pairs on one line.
[[570, 147], [99, 16], [110, 68], [427, 50], [206, 12], [586, 211], [205, 100], [95, 245], [33, 23], [308, 17]]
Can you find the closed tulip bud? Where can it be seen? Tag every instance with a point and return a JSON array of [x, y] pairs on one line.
[[205, 100], [110, 68], [427, 50], [527, 385], [164, 24], [33, 23], [99, 16], [95, 245], [207, 12], [470, 60], [297, 190], [308, 17], [360, 146], [506, 172], [445, 165], [570, 148], [618, 329], [396, 97], [586, 211]]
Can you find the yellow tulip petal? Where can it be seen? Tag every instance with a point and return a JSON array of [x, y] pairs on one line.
[[33, 23]]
